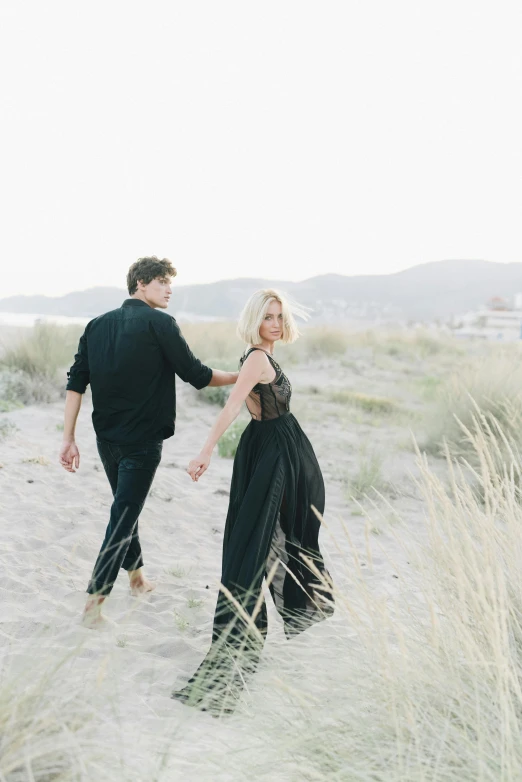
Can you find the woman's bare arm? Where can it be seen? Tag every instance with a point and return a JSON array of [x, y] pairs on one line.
[[256, 369]]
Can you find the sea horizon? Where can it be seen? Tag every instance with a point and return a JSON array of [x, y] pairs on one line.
[[27, 320]]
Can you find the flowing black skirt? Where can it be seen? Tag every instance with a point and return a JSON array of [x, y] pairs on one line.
[[271, 530]]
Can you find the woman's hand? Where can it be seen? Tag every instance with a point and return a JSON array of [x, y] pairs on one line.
[[198, 466], [253, 371]]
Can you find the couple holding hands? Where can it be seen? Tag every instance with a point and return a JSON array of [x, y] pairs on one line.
[[130, 357]]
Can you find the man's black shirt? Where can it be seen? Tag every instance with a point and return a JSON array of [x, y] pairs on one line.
[[131, 356]]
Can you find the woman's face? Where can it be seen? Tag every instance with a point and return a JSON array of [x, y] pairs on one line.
[[271, 328]]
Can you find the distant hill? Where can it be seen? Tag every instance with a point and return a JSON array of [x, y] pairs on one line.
[[431, 290]]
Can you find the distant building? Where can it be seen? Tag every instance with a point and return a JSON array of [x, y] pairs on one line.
[[497, 304], [498, 321]]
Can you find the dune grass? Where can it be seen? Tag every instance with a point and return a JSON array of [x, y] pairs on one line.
[[366, 402], [415, 343], [215, 344], [33, 366], [30, 366], [42, 352], [7, 428], [429, 387], [48, 729], [218, 341], [323, 342], [424, 684], [486, 393], [368, 476], [417, 676], [420, 683]]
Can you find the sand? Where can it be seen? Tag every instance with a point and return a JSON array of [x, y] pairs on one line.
[[52, 526]]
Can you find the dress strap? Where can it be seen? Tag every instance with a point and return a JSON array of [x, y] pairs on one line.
[[270, 358], [273, 363], [250, 350]]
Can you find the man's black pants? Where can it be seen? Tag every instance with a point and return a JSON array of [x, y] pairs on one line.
[[130, 470]]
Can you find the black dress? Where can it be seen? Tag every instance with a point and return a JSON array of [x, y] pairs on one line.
[[271, 528]]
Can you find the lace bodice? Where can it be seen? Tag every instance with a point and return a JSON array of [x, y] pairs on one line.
[[269, 400]]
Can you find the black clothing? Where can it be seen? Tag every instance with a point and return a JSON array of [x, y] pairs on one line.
[[130, 470], [275, 482], [269, 400], [131, 356]]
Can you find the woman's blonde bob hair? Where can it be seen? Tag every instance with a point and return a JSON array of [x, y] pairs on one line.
[[254, 312]]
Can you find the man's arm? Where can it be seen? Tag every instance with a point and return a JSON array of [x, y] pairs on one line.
[[78, 380], [79, 374], [183, 362], [220, 378], [69, 453]]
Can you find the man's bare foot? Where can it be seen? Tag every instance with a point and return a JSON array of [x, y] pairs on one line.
[[93, 618], [139, 585]]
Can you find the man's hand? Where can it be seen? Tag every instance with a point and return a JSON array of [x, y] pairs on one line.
[[69, 456], [198, 466]]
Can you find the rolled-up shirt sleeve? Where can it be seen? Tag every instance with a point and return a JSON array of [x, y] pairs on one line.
[[78, 375], [180, 357]]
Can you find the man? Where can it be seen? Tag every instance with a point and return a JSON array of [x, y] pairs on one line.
[[130, 356]]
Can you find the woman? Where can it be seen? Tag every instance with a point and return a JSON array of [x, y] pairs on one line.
[[271, 528]]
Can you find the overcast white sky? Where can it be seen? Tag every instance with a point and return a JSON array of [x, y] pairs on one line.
[[277, 139]]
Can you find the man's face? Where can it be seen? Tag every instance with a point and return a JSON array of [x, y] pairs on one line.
[[157, 293]]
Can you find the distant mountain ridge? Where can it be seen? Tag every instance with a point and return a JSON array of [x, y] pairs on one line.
[[432, 290]]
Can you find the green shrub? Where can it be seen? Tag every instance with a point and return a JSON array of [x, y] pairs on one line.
[[6, 428], [228, 442], [7, 405], [370, 404], [367, 477], [218, 395], [429, 386], [215, 395]]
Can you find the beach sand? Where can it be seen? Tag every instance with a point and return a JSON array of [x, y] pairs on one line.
[[53, 523]]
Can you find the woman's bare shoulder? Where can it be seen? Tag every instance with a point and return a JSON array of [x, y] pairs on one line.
[[255, 358]]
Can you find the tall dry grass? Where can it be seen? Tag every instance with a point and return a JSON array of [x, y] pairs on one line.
[[218, 341], [484, 393], [367, 475], [43, 351], [216, 344], [423, 682], [30, 366], [51, 731], [419, 682], [416, 678]]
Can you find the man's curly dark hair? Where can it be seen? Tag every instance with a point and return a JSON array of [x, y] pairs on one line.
[[147, 269]]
